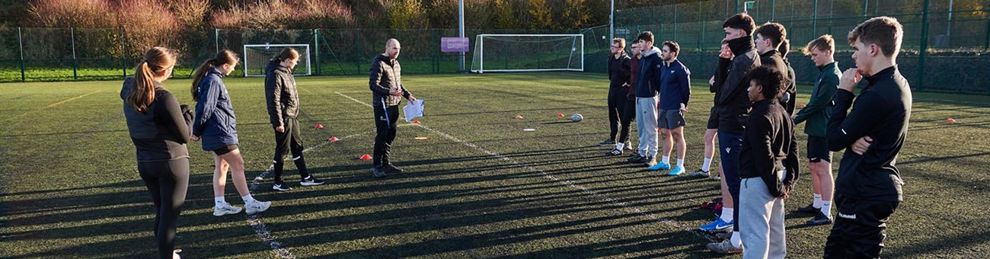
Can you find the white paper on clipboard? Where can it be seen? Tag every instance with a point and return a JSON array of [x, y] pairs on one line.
[[413, 109]]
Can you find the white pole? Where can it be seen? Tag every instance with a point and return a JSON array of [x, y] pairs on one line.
[[481, 54], [948, 26], [460, 29], [611, 21]]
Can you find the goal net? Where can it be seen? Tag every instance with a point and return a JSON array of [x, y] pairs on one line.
[[528, 53], [256, 57]]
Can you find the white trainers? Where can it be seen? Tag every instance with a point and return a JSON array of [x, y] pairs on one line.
[[175, 254], [257, 207], [225, 209]]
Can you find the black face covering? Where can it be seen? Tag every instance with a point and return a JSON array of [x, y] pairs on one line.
[[740, 45]]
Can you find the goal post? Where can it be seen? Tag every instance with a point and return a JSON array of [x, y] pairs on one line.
[[528, 53], [255, 58]]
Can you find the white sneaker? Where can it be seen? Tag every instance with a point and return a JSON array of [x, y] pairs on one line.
[[175, 254], [257, 207], [225, 209]]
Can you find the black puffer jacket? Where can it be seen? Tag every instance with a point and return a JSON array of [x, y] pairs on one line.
[[280, 93], [386, 74]]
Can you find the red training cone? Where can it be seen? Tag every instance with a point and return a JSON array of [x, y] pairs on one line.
[[332, 139], [365, 157], [950, 120], [319, 126]]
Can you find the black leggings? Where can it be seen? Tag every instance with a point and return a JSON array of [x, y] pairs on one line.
[[167, 181], [616, 112], [385, 119], [289, 141]]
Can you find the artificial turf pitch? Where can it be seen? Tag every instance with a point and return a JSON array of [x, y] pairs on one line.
[[477, 186]]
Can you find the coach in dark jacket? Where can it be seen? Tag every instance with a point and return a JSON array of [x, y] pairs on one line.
[[387, 90]]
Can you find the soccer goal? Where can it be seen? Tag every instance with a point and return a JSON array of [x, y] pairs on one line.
[[256, 57], [528, 53]]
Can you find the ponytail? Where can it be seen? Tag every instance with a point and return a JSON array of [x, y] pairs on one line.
[[286, 54], [224, 57], [156, 62]]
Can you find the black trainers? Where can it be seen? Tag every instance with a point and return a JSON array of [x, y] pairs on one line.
[[637, 159], [607, 142], [391, 169], [614, 152], [820, 219], [378, 172], [310, 181], [810, 209], [281, 186]]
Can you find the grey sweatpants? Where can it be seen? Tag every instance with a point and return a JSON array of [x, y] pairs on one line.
[[761, 221], [646, 125]]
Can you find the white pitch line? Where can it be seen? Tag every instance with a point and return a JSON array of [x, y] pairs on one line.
[[266, 236], [546, 175]]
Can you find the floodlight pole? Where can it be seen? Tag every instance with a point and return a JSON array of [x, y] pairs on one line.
[[611, 21], [460, 29]]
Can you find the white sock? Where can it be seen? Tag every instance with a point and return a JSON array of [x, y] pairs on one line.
[[707, 165], [680, 162], [665, 160], [735, 239], [817, 203], [827, 208], [248, 199], [620, 145], [726, 214], [219, 201]]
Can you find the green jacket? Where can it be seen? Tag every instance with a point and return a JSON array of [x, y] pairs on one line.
[[819, 108]]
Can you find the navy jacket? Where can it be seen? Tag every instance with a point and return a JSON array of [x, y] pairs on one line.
[[675, 86], [648, 78], [215, 121], [881, 111]]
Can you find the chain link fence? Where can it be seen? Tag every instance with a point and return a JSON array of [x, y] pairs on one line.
[[956, 34], [63, 54]]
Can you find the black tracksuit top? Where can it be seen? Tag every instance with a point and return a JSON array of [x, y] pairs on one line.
[[881, 112]]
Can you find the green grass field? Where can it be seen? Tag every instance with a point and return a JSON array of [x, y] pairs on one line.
[[478, 186]]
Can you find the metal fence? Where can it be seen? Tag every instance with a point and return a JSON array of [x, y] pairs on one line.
[[955, 34], [60, 54]]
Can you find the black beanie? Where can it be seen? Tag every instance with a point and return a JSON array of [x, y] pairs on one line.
[[741, 21]]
